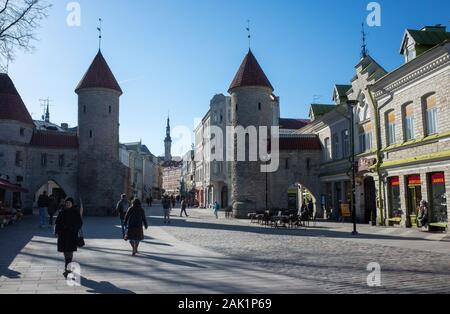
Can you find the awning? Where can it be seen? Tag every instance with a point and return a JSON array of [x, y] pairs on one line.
[[11, 187]]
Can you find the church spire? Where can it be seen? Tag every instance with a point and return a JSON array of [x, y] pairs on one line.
[[364, 51], [168, 142]]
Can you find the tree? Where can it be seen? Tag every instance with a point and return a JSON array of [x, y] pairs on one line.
[[19, 20]]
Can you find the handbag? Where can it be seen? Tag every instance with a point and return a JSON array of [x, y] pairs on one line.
[[80, 239]]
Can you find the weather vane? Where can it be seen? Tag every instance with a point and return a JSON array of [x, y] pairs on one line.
[[99, 28], [249, 34]]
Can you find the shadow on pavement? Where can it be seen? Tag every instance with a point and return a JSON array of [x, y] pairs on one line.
[[103, 287], [316, 231], [13, 240]]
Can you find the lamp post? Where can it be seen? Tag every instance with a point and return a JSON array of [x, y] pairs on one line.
[[351, 104], [266, 160]]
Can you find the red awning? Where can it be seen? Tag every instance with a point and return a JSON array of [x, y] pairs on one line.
[[11, 187]]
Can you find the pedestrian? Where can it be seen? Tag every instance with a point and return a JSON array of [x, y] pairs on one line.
[[135, 219], [67, 228], [423, 214], [216, 207], [52, 209], [151, 201], [183, 207], [148, 201], [174, 202], [43, 202], [166, 203], [121, 209], [311, 209]]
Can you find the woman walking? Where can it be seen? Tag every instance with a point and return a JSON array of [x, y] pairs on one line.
[[134, 220], [67, 227]]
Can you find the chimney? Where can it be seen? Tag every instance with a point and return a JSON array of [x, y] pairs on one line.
[[435, 28], [64, 126]]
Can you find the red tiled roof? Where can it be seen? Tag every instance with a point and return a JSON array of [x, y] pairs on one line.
[[250, 74], [99, 75], [293, 124], [11, 104], [54, 140], [302, 143]]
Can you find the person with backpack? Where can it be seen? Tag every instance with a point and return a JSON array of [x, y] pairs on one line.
[[122, 208], [216, 207]]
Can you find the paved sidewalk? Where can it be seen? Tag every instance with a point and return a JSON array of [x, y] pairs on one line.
[[30, 264]]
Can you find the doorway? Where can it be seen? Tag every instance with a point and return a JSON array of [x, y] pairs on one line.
[[224, 197], [414, 198], [370, 212], [52, 188]]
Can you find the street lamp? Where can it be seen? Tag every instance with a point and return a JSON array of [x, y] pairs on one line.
[[352, 104], [266, 160]]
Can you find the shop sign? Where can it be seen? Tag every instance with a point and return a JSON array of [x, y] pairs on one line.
[[438, 178], [414, 180], [395, 181]]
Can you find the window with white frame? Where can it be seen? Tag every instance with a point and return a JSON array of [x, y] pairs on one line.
[[336, 147], [345, 144], [431, 115], [327, 149], [409, 122], [390, 128]]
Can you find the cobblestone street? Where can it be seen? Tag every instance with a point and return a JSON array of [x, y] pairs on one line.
[[200, 254]]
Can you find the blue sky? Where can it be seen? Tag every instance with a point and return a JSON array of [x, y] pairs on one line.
[[176, 54]]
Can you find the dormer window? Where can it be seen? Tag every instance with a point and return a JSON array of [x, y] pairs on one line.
[[410, 53]]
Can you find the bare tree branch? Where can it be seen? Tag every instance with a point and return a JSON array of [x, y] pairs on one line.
[[19, 20]]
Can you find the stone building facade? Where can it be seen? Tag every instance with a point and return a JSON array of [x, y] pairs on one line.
[[82, 162], [414, 113]]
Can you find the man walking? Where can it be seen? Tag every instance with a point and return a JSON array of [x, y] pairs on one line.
[[167, 204], [43, 202], [183, 207], [122, 208]]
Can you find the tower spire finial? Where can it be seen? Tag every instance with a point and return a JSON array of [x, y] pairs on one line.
[[99, 28], [46, 105], [249, 35], [364, 51]]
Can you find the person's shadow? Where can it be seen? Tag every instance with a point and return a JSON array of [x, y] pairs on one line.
[[103, 287]]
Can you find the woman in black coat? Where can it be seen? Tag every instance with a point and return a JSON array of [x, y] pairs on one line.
[[135, 219], [67, 227]]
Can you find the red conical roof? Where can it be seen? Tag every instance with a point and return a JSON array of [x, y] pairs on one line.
[[99, 75], [11, 104], [250, 74]]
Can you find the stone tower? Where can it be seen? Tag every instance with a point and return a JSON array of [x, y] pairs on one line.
[[100, 180], [253, 104], [168, 143]]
